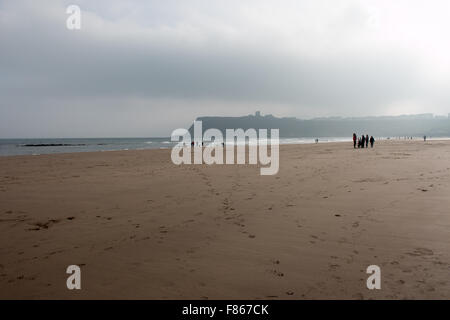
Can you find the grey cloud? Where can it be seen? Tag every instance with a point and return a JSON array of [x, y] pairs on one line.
[[44, 65]]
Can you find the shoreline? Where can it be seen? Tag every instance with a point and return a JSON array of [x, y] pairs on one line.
[[281, 145]]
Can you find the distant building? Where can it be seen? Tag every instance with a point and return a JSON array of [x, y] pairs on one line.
[[257, 114], [422, 116]]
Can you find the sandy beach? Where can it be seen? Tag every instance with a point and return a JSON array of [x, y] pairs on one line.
[[142, 227]]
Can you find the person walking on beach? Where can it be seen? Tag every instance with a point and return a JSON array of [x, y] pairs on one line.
[[367, 140], [372, 140], [354, 140], [363, 141]]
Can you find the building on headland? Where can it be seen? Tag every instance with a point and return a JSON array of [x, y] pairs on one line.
[[383, 126]]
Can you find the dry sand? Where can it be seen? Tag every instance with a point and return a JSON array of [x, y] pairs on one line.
[[141, 227]]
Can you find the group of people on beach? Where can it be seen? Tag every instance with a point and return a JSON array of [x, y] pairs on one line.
[[363, 141]]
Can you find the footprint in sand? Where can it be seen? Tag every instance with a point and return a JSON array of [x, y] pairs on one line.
[[333, 266], [43, 225], [421, 252], [162, 230], [276, 273]]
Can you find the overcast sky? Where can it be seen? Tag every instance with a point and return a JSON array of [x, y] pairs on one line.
[[144, 68]]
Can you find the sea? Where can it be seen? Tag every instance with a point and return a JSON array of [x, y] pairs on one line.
[[12, 147]]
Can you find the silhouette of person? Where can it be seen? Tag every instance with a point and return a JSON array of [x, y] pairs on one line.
[[367, 140], [359, 143], [363, 141], [354, 140], [424, 138], [372, 140]]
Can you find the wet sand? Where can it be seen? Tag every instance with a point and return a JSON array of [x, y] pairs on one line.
[[142, 227]]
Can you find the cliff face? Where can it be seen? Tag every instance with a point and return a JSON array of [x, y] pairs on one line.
[[418, 125]]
